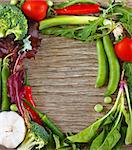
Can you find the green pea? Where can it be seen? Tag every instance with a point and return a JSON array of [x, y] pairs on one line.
[[102, 65], [108, 100], [114, 67], [13, 107], [98, 108]]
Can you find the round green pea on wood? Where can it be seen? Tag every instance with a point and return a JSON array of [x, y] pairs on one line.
[[98, 108], [108, 100]]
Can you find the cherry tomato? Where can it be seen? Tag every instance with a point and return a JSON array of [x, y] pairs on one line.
[[35, 10], [123, 49]]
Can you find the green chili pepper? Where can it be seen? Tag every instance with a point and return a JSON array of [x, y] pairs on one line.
[[47, 121], [102, 65], [114, 67], [5, 75]]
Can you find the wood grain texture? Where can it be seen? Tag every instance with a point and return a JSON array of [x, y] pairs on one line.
[[63, 77]]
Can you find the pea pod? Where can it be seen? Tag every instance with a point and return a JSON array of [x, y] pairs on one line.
[[114, 67], [102, 65], [5, 75]]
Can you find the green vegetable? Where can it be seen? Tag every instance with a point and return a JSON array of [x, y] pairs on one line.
[[102, 64], [13, 2], [13, 107], [114, 67], [87, 32], [5, 75], [98, 141], [98, 108], [13, 21], [72, 2], [125, 18], [128, 139], [90, 132], [108, 100], [47, 121], [63, 20], [128, 74], [36, 137]]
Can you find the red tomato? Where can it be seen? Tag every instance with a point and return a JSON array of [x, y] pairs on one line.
[[35, 10], [123, 49]]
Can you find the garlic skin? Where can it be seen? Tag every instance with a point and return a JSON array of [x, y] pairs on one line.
[[12, 129]]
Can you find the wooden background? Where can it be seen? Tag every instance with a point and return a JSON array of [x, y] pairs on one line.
[[63, 77]]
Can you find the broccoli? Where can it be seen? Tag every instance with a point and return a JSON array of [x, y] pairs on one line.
[[36, 137], [13, 21]]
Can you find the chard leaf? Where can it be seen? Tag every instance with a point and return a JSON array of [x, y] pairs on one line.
[[97, 142]]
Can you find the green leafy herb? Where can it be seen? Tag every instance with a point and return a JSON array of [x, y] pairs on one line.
[[125, 18], [84, 33]]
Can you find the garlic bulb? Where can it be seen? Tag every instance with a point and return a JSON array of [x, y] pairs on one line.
[[12, 129]]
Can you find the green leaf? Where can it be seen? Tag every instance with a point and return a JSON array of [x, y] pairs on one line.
[[87, 134], [97, 142], [57, 141], [111, 139]]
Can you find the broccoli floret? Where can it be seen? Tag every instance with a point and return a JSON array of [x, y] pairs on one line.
[[13, 21], [37, 137]]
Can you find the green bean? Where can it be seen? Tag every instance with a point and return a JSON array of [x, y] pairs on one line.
[[5, 75], [114, 67], [102, 65]]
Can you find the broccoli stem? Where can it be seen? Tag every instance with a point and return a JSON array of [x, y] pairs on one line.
[[47, 121], [63, 20]]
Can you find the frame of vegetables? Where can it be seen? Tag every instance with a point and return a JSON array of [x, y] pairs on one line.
[[22, 125]]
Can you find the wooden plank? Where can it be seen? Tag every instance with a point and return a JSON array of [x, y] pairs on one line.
[[63, 77]]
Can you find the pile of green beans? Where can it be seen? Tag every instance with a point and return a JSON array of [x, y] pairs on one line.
[[108, 65]]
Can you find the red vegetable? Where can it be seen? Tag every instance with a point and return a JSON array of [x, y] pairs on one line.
[[35, 10], [78, 9], [123, 49], [29, 98]]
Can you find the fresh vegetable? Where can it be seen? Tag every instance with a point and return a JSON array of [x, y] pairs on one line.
[[29, 98], [73, 2], [35, 10], [128, 75], [47, 121], [113, 116], [5, 74], [123, 49], [128, 139], [13, 107], [78, 9], [98, 108], [108, 100], [102, 64], [114, 72], [0, 80], [125, 17], [63, 20], [13, 2], [12, 21], [36, 137], [12, 129], [87, 32]]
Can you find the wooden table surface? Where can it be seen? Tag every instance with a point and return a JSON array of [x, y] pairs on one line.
[[63, 77]]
